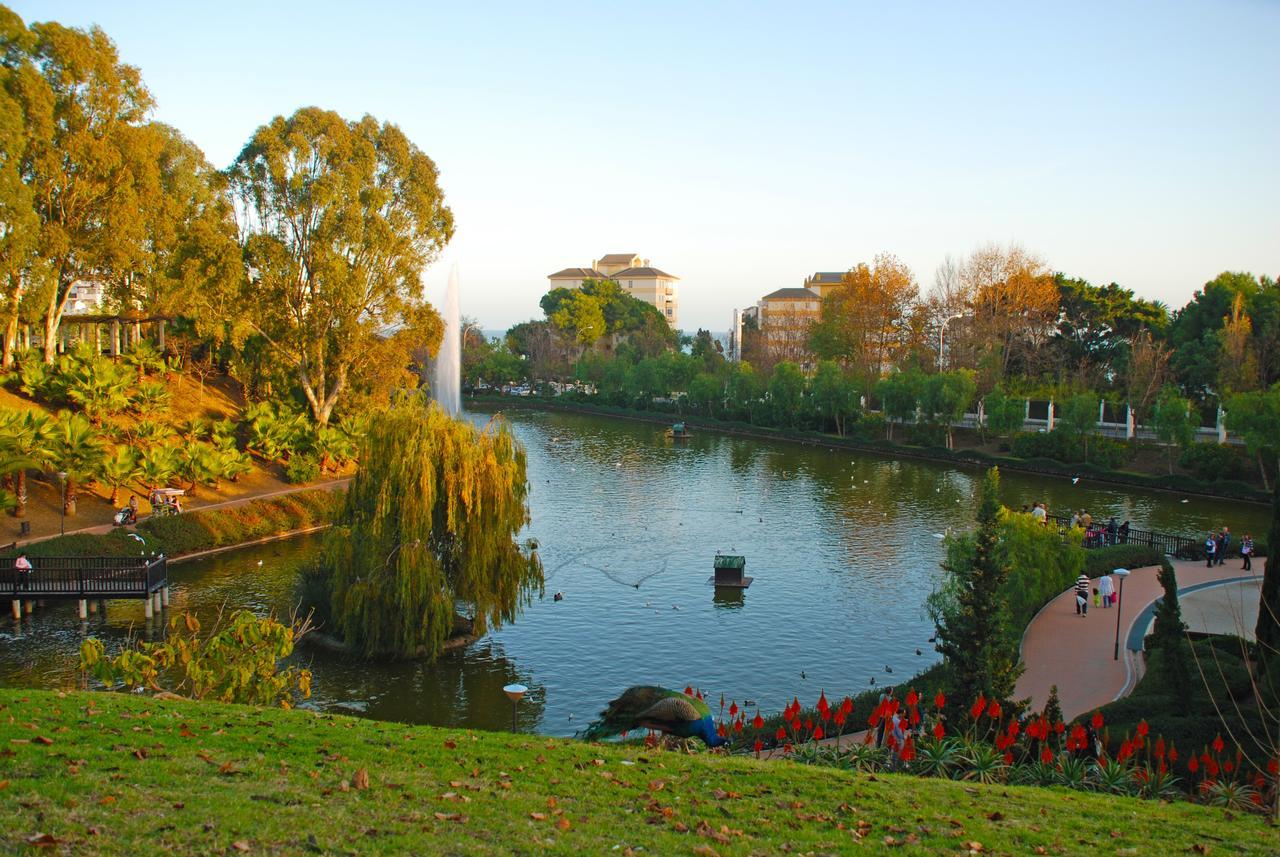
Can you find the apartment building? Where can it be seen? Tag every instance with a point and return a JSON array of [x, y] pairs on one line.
[[636, 275]]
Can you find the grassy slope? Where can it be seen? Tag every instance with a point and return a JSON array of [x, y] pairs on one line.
[[110, 773]]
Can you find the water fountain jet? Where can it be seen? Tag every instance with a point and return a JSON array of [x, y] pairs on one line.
[[447, 386]]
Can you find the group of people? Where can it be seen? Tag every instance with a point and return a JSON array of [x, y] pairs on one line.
[[1217, 547], [1104, 594], [1098, 535]]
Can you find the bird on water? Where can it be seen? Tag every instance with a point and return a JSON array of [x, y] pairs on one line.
[[648, 707]]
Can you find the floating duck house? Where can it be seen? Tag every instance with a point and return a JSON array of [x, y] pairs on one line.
[[730, 571], [679, 431]]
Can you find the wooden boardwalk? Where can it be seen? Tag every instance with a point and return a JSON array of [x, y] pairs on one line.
[[87, 579]]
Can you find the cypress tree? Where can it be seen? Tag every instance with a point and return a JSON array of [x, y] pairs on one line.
[[1170, 630], [429, 527], [971, 635]]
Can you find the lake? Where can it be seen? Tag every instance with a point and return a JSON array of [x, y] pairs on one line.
[[843, 547]]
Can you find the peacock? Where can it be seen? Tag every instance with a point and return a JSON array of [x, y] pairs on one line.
[[647, 707]]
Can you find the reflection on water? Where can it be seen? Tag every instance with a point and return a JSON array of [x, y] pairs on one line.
[[843, 549]]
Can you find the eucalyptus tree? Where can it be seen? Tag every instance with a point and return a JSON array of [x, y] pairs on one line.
[[338, 220], [85, 111], [19, 225]]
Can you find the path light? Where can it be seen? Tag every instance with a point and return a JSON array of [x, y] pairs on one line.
[[1121, 573], [514, 692]]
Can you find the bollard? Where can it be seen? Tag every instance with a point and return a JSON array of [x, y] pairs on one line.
[[164, 596], [29, 606], [146, 607], [155, 602], [84, 609], [17, 609]]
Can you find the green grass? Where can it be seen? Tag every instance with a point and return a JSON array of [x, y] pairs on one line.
[[116, 774]]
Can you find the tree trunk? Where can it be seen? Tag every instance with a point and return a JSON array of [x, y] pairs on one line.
[[11, 331], [69, 503], [20, 492]]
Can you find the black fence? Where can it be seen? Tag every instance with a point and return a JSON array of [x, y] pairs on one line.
[[86, 577], [1099, 534]]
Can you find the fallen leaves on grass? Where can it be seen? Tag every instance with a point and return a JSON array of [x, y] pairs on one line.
[[43, 840], [361, 780]]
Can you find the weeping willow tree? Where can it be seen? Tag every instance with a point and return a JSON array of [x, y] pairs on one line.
[[427, 534]]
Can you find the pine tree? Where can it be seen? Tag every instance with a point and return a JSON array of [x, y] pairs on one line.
[[971, 635]]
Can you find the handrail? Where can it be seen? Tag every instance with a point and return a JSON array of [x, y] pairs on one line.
[[1100, 535], [86, 577]]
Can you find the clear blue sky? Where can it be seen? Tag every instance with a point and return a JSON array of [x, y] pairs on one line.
[[742, 145]]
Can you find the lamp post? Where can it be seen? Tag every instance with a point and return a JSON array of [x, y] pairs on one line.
[[943, 330], [1121, 573], [62, 478], [514, 692]]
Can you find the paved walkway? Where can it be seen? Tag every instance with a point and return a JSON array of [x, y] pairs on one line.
[[103, 529], [1077, 654]]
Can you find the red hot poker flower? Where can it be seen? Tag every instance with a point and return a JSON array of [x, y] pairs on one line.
[[913, 698], [1143, 729], [939, 731], [979, 705], [993, 710], [1218, 745], [733, 709], [1193, 765], [1097, 720], [759, 745], [940, 701], [781, 734], [818, 734], [757, 721]]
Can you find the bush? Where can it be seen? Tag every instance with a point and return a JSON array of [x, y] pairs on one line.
[[1100, 561], [927, 435], [1059, 446], [1211, 462], [868, 427], [302, 469]]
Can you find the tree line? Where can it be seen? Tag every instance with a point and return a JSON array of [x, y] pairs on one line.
[[297, 268]]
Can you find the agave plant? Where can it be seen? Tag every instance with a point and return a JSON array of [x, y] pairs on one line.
[[1035, 774], [938, 758], [118, 469], [151, 397], [983, 763], [1073, 772], [147, 433], [1160, 784], [864, 758], [1230, 794], [1114, 777]]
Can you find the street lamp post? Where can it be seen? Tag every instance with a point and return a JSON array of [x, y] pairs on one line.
[[942, 330], [1121, 573], [62, 478], [514, 693]]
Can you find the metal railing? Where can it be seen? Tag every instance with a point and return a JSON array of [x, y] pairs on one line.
[[1098, 535], [86, 577]]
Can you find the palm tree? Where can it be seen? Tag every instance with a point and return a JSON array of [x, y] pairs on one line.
[[26, 435], [156, 467], [145, 358], [77, 453], [100, 387], [150, 397], [118, 470]]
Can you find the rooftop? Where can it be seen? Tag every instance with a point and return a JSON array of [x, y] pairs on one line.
[[791, 294], [617, 259], [577, 274], [644, 272], [826, 277]]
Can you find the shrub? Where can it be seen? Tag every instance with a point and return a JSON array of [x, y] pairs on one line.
[[1100, 561], [1211, 462], [302, 469], [1060, 446]]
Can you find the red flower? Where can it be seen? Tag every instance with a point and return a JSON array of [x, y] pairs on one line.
[[979, 705], [737, 726], [795, 704], [1013, 728], [1059, 727], [721, 731], [781, 734], [846, 707], [1008, 758], [688, 690], [757, 721], [1163, 768], [1273, 766], [722, 703], [914, 717], [823, 706], [1160, 747], [1097, 720], [1173, 753], [818, 734], [826, 715], [759, 745], [1193, 765], [993, 710], [1046, 756], [808, 724], [1212, 767], [1143, 729], [839, 718], [1126, 750], [913, 698], [733, 707], [908, 750], [1228, 766], [939, 731], [787, 748], [1218, 745], [940, 701]]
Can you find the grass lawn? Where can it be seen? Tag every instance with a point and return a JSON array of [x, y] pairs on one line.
[[118, 774]]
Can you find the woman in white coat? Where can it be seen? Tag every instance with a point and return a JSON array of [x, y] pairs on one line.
[[1106, 589]]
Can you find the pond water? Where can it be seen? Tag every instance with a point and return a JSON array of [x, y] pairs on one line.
[[843, 547]]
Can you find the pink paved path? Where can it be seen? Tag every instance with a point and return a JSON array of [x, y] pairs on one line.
[[1076, 653]]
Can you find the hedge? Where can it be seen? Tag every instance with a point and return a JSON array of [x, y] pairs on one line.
[[1100, 561], [201, 529]]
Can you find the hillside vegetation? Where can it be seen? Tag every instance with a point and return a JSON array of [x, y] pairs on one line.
[[118, 774]]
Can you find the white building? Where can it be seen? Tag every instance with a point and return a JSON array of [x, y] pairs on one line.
[[636, 276], [85, 298]]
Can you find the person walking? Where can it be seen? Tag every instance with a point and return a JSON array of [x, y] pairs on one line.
[[1124, 532], [1112, 530], [1224, 544], [1246, 551], [22, 567], [1082, 594], [1210, 550], [1106, 589]]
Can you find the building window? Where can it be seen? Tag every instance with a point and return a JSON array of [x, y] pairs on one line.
[[669, 311]]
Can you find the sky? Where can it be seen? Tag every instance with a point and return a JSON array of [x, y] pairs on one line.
[[742, 146]]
